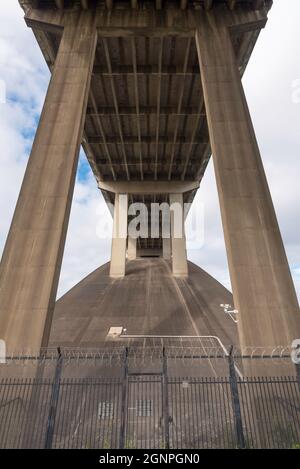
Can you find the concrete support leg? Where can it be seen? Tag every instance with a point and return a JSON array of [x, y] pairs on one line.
[[262, 285], [178, 243], [118, 247], [167, 248], [131, 248], [32, 257]]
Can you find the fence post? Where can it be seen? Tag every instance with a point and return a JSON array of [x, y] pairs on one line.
[[54, 401], [298, 373], [165, 403], [124, 398], [297, 365], [236, 402]]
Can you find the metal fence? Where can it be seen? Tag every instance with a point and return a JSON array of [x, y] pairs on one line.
[[150, 409]]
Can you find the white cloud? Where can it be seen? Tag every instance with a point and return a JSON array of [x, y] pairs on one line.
[[268, 81]]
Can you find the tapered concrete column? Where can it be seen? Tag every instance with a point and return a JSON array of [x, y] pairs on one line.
[[32, 256], [167, 248], [263, 290], [118, 246], [131, 248], [178, 243]]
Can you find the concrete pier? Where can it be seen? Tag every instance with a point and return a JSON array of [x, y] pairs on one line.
[[33, 253], [262, 285]]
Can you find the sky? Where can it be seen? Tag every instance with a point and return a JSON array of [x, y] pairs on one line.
[[272, 86]]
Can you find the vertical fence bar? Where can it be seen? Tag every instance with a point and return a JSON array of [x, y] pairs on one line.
[[248, 412], [165, 400], [124, 399], [298, 373], [53, 402], [11, 399], [236, 402]]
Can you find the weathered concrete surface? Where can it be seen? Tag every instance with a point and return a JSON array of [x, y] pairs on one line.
[[149, 300], [119, 240], [178, 244], [149, 187], [131, 248], [167, 248], [32, 257], [263, 289]]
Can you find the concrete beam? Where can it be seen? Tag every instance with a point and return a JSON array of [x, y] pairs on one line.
[[178, 244], [150, 23], [258, 4], [167, 248], [109, 4], [60, 4], [263, 289], [183, 4], [32, 257], [242, 20], [145, 110], [208, 4], [147, 139], [149, 187], [85, 4], [118, 246], [46, 20], [151, 31], [148, 252], [231, 4], [131, 248], [147, 70]]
